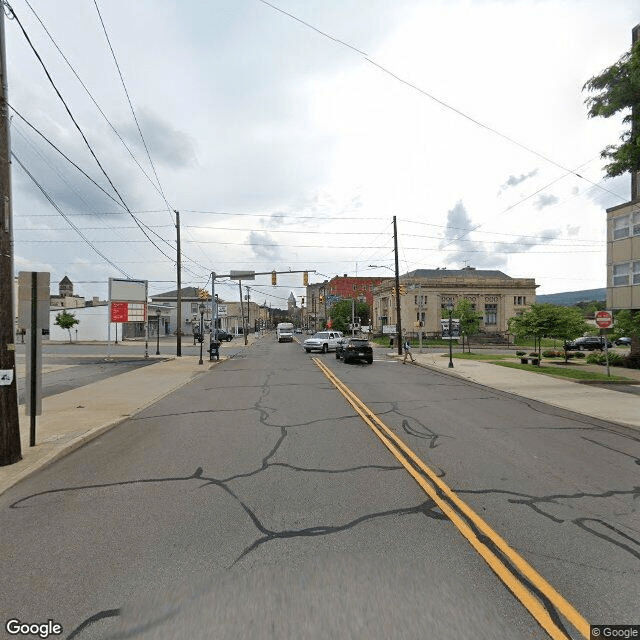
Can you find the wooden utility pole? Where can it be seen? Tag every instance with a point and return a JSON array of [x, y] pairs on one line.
[[179, 292], [398, 321], [635, 174], [10, 451]]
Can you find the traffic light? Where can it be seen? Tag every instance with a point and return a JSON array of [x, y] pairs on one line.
[[305, 278], [274, 278], [321, 298], [203, 294]]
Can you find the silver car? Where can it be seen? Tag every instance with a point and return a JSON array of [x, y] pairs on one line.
[[322, 341]]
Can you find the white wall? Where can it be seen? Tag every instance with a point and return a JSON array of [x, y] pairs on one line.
[[92, 325]]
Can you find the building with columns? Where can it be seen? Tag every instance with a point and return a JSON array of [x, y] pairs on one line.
[[425, 294]]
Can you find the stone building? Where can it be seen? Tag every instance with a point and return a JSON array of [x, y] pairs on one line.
[[65, 299], [425, 294]]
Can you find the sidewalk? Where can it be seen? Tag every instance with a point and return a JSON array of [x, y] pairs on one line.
[[589, 400], [72, 418]]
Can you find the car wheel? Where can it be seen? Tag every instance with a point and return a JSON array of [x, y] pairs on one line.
[[325, 348], [347, 360], [370, 360], [337, 356], [308, 350]]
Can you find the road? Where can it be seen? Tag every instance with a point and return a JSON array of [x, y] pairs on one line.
[[256, 502]]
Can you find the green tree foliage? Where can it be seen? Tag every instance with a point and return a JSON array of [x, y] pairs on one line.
[[469, 320], [548, 321], [340, 313], [66, 320], [617, 89]]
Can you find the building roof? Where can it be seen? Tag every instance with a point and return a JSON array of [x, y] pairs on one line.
[[443, 273], [187, 292], [65, 280]]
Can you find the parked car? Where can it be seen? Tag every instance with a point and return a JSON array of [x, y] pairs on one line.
[[350, 349], [587, 343], [322, 341], [221, 335], [623, 342]]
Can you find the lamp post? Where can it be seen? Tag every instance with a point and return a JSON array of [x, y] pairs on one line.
[[158, 311], [450, 310], [201, 309]]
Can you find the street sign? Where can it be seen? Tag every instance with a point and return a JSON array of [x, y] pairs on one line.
[[604, 319], [242, 275]]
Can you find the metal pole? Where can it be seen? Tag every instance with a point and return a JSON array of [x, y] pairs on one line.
[[420, 312], [450, 342], [214, 307], [398, 320], [34, 358], [244, 330], [179, 292], [158, 330], [10, 450], [201, 333]]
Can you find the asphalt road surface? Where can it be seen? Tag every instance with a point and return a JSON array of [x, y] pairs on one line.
[[257, 502]]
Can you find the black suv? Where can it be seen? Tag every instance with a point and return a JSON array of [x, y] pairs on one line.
[[354, 349], [588, 343], [221, 335]]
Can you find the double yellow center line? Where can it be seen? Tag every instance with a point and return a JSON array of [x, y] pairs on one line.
[[514, 571]]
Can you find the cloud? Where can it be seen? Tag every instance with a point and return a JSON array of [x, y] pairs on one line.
[[545, 200], [611, 192], [513, 181], [167, 145], [264, 246]]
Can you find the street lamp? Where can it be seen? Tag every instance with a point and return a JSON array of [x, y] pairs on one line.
[[201, 309], [450, 310], [158, 311]]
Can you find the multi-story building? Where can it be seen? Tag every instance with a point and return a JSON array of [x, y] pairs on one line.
[[322, 295], [426, 293], [65, 299], [623, 256]]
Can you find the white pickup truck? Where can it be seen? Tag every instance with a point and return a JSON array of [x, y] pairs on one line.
[[284, 331], [322, 341]]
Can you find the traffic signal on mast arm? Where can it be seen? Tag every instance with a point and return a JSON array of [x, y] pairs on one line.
[[203, 294], [305, 278], [274, 278]]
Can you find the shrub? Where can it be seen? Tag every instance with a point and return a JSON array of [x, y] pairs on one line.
[[521, 353], [533, 354], [631, 362], [579, 354], [553, 353], [615, 359]]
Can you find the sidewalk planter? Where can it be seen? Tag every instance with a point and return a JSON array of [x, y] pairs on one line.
[[524, 360], [535, 361]]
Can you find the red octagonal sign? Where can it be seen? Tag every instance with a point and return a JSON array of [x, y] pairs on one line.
[[604, 319]]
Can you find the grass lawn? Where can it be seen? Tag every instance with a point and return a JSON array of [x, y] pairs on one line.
[[477, 356], [574, 374]]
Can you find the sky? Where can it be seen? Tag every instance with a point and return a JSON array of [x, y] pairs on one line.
[[288, 134]]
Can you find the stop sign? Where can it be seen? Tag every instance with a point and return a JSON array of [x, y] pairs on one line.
[[604, 319]]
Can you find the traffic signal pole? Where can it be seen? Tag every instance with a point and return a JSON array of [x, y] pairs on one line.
[[398, 321], [10, 451]]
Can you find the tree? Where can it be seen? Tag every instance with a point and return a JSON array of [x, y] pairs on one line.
[[469, 320], [617, 89], [66, 320], [548, 321], [340, 313]]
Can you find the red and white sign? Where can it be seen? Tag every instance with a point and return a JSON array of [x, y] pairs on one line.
[[604, 319], [128, 312]]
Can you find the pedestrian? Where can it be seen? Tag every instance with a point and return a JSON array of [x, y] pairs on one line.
[[391, 342], [407, 351]]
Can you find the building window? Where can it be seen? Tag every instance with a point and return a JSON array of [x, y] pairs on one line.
[[636, 224], [620, 274], [355, 287], [636, 272], [194, 308], [519, 300], [620, 227], [491, 314]]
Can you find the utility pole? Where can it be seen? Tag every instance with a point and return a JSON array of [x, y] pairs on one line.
[[244, 327], [248, 307], [10, 451], [398, 321], [179, 292]]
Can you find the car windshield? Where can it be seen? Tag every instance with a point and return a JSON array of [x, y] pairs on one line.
[[321, 334]]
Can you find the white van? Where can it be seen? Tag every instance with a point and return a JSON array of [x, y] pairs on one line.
[[284, 331]]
